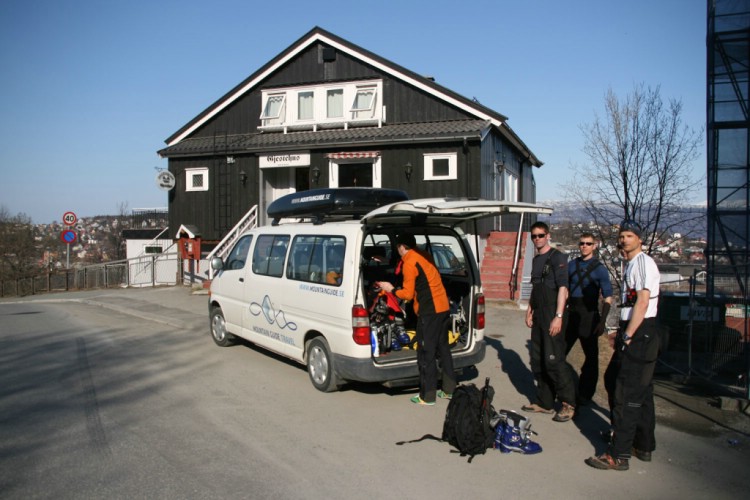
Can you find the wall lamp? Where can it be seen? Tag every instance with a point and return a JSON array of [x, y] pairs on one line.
[[315, 174], [408, 170], [243, 177], [499, 165]]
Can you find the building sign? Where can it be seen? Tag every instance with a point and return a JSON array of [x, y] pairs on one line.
[[165, 180], [284, 160]]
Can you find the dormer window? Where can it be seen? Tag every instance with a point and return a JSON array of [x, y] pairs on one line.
[[364, 102], [305, 107], [339, 105], [273, 109], [335, 103]]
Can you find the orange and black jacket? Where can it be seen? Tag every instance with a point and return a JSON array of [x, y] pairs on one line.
[[422, 283]]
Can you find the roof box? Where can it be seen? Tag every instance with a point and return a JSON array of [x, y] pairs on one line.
[[326, 203]]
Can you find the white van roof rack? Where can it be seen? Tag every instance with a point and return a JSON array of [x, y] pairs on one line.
[[332, 203]]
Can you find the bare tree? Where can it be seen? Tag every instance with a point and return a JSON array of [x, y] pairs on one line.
[[18, 256], [640, 157]]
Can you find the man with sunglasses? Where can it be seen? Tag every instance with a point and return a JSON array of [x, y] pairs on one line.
[[634, 359], [589, 280], [546, 317]]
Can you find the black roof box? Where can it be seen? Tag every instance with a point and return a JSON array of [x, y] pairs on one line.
[[320, 204]]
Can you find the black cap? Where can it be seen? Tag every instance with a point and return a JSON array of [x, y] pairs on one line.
[[632, 226], [406, 239]]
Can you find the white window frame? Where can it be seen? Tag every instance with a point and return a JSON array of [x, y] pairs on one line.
[[297, 112], [287, 116], [510, 186], [334, 164], [362, 112], [277, 118], [429, 174], [191, 173], [328, 114]]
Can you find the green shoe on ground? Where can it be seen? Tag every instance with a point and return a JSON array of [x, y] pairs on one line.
[[444, 395], [420, 401]]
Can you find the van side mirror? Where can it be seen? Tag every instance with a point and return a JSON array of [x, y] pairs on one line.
[[217, 264]]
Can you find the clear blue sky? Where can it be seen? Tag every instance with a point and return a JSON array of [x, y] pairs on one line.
[[91, 89]]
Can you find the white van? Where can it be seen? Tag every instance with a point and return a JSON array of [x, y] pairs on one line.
[[304, 290]]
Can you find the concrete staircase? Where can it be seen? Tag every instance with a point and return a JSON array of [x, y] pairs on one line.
[[497, 265]]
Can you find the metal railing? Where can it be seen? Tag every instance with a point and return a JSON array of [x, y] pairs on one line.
[[249, 220], [147, 270]]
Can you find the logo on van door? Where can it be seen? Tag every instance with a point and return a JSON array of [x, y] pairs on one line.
[[271, 315]]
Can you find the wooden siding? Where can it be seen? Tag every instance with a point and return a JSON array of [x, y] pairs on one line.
[[404, 104]]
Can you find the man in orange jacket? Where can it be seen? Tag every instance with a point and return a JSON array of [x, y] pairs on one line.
[[423, 284]]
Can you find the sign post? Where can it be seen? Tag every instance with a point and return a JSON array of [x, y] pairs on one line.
[[68, 235]]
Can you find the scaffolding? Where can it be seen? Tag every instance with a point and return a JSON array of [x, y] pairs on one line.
[[728, 174]]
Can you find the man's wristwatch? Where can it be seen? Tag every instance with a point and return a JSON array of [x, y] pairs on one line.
[[558, 315], [626, 337]]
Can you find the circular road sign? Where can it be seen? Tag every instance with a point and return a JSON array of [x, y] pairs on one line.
[[69, 218], [68, 236]]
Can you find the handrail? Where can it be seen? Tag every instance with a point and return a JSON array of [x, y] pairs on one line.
[[250, 219]]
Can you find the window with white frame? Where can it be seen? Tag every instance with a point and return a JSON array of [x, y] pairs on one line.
[[335, 103], [196, 179], [364, 102], [305, 107], [510, 186], [322, 106], [440, 166], [274, 109]]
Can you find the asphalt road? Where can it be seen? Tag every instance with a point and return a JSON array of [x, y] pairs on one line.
[[122, 394]]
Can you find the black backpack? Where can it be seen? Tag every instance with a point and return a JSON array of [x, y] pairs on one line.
[[467, 424]]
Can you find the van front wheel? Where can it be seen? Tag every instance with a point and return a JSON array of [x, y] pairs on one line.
[[219, 332], [320, 366]]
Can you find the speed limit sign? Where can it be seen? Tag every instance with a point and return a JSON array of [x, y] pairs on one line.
[[69, 218]]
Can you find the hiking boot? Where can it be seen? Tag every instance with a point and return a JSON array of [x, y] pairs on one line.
[[535, 408], [444, 395], [607, 462], [511, 438], [643, 456], [420, 401], [566, 413]]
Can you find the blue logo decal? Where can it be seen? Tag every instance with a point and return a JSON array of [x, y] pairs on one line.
[[272, 316]]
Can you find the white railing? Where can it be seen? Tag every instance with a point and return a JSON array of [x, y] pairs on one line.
[[248, 221]]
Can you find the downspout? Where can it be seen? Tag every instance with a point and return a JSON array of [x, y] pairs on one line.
[[516, 257]]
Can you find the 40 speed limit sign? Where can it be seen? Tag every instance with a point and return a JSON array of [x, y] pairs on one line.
[[69, 218]]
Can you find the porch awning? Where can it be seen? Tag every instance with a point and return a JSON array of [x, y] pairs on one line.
[[353, 154]]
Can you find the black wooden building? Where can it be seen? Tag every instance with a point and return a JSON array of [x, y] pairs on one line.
[[327, 113]]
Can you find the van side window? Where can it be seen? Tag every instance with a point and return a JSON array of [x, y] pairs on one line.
[[317, 259], [269, 255], [238, 256]]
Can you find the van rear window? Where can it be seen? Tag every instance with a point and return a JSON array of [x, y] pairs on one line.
[[317, 259]]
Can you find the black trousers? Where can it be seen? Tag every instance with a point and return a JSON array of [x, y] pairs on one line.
[[582, 321], [629, 383], [432, 338], [552, 372]]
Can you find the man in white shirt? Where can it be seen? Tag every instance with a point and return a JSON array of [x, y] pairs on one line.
[[634, 359]]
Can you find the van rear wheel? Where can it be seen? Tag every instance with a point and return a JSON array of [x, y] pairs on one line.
[[320, 366], [219, 332]]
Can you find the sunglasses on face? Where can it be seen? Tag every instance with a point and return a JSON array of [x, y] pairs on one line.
[[538, 236], [585, 243]]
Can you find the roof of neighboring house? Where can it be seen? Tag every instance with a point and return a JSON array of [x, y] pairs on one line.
[[356, 136], [484, 115]]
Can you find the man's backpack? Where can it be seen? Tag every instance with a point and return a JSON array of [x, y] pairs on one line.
[[468, 425]]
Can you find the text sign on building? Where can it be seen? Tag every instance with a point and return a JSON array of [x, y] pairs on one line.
[[284, 160]]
